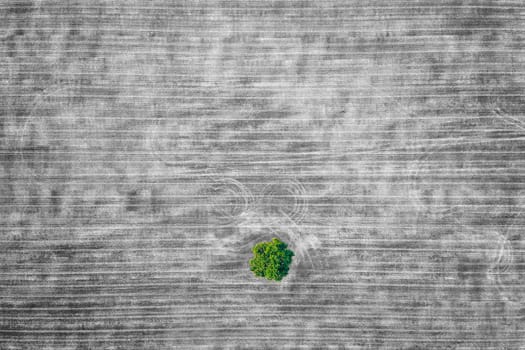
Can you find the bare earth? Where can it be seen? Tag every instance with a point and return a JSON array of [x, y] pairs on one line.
[[146, 146]]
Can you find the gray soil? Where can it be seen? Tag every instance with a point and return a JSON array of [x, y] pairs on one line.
[[146, 146]]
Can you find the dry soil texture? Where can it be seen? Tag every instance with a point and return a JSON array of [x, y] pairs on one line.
[[145, 146]]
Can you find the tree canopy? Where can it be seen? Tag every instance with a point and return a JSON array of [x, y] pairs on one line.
[[271, 260]]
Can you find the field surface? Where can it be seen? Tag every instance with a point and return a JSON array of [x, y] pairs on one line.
[[146, 146]]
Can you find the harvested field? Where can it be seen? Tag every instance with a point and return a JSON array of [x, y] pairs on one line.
[[146, 146]]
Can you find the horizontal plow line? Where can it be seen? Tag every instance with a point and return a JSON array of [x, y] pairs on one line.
[[332, 30], [269, 205], [362, 240], [155, 224], [350, 65], [225, 284], [297, 98], [171, 308], [262, 75], [156, 249], [385, 264], [325, 339], [315, 153], [223, 293], [291, 196], [163, 180], [406, 316], [338, 118], [277, 327], [216, 223], [159, 272], [325, 53], [270, 132], [399, 5]]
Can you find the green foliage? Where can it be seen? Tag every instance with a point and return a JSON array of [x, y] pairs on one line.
[[271, 260]]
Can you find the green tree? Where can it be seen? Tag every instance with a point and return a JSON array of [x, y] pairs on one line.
[[271, 260]]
